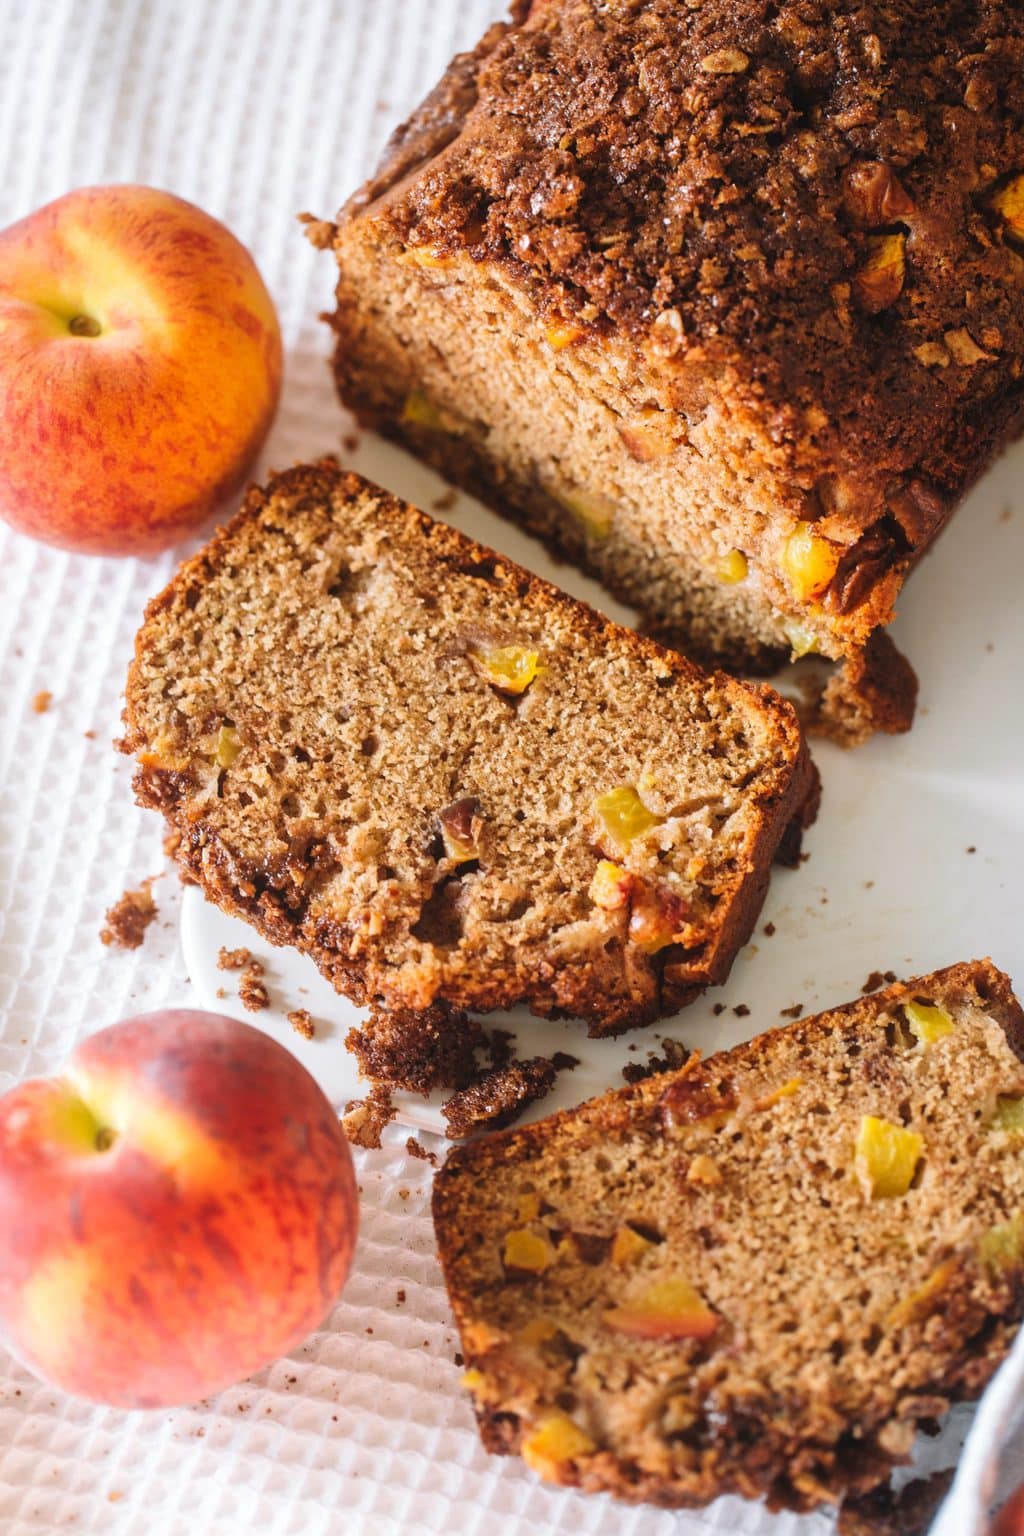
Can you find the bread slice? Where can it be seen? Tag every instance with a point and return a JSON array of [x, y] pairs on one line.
[[724, 305], [758, 1274], [383, 744]]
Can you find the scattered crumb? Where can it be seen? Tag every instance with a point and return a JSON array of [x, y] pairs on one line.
[[91, 736], [824, 901], [42, 701], [563, 1062], [675, 1055], [252, 989], [128, 919], [869, 885], [972, 849], [319, 232], [499, 1096], [989, 646], [718, 1010], [403, 1194], [235, 959], [1006, 514], [114, 1496], [222, 991], [400, 1298], [741, 1011], [301, 1020], [791, 1013], [459, 1359], [350, 442], [873, 981], [414, 1149], [364, 1119], [769, 929], [445, 501]]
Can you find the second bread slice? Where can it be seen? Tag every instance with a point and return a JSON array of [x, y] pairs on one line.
[[760, 1274], [445, 780]]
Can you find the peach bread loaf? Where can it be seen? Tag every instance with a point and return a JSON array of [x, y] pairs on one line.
[[723, 301]]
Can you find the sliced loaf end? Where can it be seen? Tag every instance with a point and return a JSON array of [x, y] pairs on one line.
[[759, 1274]]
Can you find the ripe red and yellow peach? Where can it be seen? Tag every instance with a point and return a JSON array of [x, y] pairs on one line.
[[140, 368], [178, 1210]]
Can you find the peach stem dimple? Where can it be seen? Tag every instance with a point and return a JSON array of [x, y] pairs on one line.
[[84, 325], [77, 1124]]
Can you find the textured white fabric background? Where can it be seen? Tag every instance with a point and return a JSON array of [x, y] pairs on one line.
[[255, 109]]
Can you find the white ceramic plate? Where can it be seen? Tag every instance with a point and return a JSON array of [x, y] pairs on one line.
[[915, 860]]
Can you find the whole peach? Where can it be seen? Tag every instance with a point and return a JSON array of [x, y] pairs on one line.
[[140, 368], [178, 1209]]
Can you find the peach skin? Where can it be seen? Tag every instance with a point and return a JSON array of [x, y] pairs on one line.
[[178, 1210], [140, 369]]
